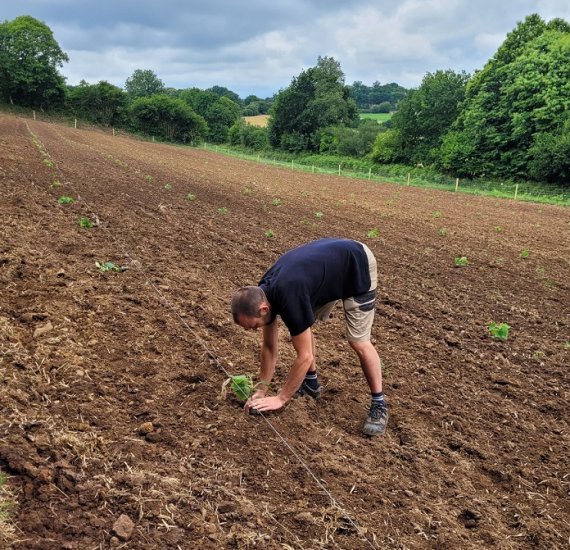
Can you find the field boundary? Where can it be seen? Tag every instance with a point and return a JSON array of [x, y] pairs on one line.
[[513, 191]]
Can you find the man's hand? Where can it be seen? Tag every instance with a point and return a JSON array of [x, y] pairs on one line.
[[265, 404]]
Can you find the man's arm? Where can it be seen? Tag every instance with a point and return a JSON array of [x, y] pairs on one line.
[[304, 347], [269, 349], [303, 344]]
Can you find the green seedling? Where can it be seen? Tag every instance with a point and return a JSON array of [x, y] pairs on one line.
[[107, 266], [149, 179], [525, 253], [498, 229], [190, 197], [168, 186], [48, 163], [276, 202], [436, 214], [85, 223], [223, 210], [241, 385], [65, 200], [461, 261], [56, 183], [566, 345], [442, 232], [319, 215], [373, 233], [499, 331], [269, 234]]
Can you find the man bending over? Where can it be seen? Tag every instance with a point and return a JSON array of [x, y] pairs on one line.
[[302, 287]]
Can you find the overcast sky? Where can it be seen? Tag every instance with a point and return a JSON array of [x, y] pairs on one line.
[[258, 46]]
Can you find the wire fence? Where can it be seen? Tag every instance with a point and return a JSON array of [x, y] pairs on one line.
[[524, 191]]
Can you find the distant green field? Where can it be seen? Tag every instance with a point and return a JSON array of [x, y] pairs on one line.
[[378, 117]]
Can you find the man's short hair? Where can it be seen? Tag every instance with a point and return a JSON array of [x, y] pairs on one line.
[[246, 302]]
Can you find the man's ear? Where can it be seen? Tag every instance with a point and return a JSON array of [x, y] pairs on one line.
[[263, 309]]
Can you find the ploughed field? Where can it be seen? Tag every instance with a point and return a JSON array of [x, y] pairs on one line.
[[114, 430]]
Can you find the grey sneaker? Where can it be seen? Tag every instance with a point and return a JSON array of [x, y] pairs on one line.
[[377, 420], [305, 389]]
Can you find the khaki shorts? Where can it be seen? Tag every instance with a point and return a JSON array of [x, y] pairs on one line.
[[358, 310]]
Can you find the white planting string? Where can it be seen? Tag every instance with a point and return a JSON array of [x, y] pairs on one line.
[[211, 355]]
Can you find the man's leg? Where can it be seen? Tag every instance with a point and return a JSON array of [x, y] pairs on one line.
[[310, 385], [370, 363]]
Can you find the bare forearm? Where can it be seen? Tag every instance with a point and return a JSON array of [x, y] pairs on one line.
[[268, 362], [295, 378]]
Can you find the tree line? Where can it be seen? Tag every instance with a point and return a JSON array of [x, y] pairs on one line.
[[509, 120]]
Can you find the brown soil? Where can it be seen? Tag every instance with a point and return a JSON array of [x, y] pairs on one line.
[[111, 382]]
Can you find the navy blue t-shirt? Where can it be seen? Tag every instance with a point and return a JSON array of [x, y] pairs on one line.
[[312, 275]]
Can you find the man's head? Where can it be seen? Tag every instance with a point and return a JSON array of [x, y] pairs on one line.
[[250, 308]]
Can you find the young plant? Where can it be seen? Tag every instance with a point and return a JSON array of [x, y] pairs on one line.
[[168, 186], [241, 385], [65, 200], [190, 197], [48, 162], [56, 183], [107, 266], [373, 233], [223, 210], [442, 232], [85, 223], [276, 202], [269, 234], [461, 261], [499, 331], [319, 215], [436, 214], [525, 253], [148, 178]]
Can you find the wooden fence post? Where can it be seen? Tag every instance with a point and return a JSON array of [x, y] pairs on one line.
[[516, 190], [75, 124], [456, 184], [339, 169], [369, 172], [408, 178], [34, 114]]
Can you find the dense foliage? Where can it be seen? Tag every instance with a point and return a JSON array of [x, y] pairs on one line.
[[143, 83], [423, 118], [317, 98], [29, 58], [100, 103], [168, 118], [217, 109], [515, 115], [378, 98]]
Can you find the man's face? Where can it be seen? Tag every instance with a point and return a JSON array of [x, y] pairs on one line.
[[253, 323]]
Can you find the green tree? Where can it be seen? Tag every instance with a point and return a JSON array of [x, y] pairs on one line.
[[143, 83], [317, 98], [343, 140], [169, 118], [221, 91], [248, 136], [425, 115], [220, 116], [521, 94], [550, 155], [219, 111], [29, 59], [101, 103]]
